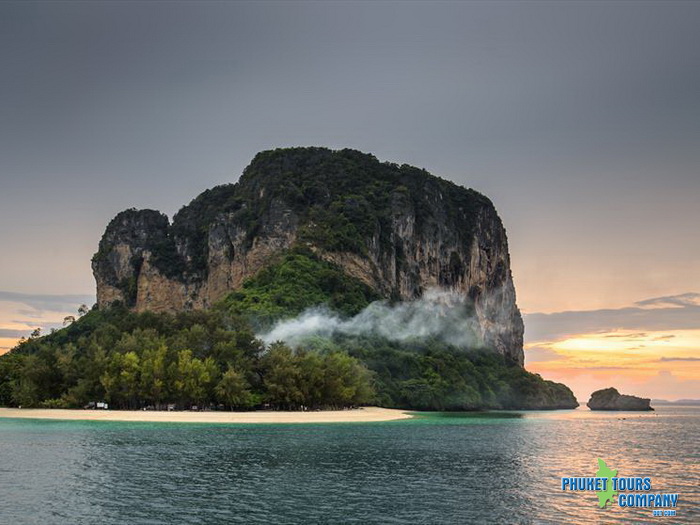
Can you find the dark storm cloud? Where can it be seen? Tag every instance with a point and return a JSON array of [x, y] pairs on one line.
[[685, 316]]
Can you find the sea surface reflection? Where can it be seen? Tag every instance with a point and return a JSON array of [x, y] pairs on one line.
[[502, 467]]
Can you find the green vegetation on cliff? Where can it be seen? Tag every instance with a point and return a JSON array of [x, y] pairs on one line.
[[295, 281], [344, 198]]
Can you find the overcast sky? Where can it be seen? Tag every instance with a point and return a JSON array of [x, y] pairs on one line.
[[581, 121]]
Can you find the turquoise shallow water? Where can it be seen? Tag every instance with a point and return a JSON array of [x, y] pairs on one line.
[[437, 468]]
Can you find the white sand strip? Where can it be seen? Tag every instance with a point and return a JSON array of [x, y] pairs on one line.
[[364, 414]]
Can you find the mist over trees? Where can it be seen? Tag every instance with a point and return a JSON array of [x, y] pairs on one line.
[[213, 359]]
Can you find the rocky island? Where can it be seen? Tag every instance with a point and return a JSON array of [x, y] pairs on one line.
[[394, 230], [611, 399], [182, 304]]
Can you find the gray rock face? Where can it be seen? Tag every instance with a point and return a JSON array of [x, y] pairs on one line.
[[125, 246], [398, 229], [611, 399]]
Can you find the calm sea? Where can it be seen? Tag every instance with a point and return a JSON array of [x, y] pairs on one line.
[[438, 468]]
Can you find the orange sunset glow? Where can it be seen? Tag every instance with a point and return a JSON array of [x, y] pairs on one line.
[[643, 362]]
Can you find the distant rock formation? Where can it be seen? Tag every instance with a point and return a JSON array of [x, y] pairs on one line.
[[611, 399]]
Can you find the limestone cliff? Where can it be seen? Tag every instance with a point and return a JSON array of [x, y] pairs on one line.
[[396, 228]]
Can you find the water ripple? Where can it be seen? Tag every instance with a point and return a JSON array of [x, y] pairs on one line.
[[498, 468]]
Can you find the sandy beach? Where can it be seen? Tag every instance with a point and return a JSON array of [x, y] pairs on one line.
[[365, 414]]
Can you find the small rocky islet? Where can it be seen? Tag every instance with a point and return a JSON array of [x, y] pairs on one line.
[[611, 399]]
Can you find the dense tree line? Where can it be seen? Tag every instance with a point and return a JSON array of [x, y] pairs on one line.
[[430, 375], [212, 358], [199, 358]]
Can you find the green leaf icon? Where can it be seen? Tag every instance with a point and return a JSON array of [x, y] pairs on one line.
[[607, 495]]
